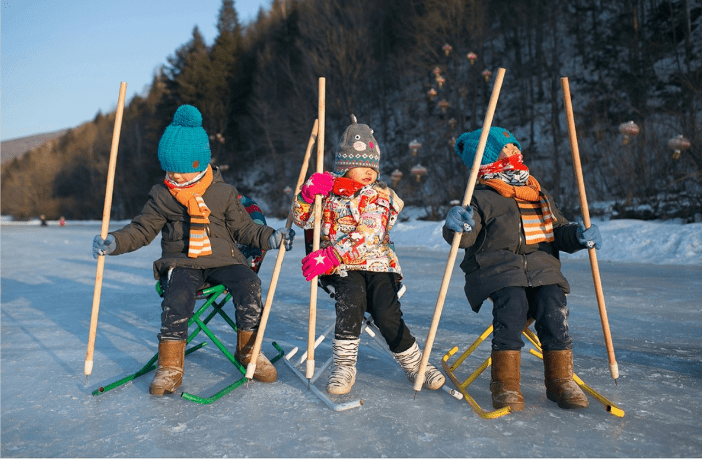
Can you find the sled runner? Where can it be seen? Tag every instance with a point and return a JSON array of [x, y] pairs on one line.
[[450, 370], [215, 297]]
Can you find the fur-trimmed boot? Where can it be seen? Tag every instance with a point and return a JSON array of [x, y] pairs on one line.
[[410, 360], [265, 371], [343, 372], [169, 373], [504, 383], [558, 376]]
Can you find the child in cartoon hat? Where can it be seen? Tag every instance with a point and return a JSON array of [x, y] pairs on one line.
[[512, 233], [201, 220], [357, 258]]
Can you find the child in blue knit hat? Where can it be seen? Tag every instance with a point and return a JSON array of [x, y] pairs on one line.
[[512, 233], [357, 258], [201, 220]]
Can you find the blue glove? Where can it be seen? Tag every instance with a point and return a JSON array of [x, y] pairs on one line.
[[459, 219], [589, 237], [104, 246], [286, 235]]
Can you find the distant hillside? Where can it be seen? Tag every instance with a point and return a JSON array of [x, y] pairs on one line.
[[14, 148]]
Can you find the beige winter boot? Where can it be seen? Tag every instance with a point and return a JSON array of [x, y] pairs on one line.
[[265, 371], [504, 383], [410, 360], [169, 373], [558, 375], [343, 372]]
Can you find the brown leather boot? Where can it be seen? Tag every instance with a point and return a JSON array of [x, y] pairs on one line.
[[265, 371], [558, 375], [504, 384], [169, 373]]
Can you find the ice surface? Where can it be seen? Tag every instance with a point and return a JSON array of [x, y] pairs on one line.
[[652, 281]]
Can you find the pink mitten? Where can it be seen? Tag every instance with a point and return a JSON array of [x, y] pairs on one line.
[[318, 183], [319, 262]]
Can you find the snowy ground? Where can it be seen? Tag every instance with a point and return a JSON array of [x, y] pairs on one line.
[[652, 278]]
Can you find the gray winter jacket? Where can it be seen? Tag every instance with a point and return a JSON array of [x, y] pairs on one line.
[[229, 224], [496, 255]]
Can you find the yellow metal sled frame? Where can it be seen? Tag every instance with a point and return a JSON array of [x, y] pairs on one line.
[[485, 414]]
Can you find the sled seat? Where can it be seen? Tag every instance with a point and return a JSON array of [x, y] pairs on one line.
[[450, 370], [215, 297]]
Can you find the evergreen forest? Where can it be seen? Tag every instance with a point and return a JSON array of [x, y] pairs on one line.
[[420, 73]]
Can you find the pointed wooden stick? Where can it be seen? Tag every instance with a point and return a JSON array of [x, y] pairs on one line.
[[88, 367], [457, 236], [251, 368], [317, 232], [613, 367]]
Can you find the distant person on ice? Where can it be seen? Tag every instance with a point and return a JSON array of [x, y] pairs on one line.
[[357, 258], [512, 233], [201, 220]]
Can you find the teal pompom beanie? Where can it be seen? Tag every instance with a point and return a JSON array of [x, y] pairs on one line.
[[184, 146], [467, 145]]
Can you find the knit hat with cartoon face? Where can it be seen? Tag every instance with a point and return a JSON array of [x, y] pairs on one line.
[[184, 146], [467, 145], [358, 148]]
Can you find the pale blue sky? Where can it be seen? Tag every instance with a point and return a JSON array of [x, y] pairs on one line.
[[62, 61]]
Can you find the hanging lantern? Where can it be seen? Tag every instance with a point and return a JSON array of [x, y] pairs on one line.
[[431, 93], [415, 146], [486, 74], [219, 137], [440, 80], [452, 122], [678, 144], [471, 56], [447, 49], [437, 70], [287, 190], [628, 130], [443, 105], [452, 142], [418, 171], [396, 176]]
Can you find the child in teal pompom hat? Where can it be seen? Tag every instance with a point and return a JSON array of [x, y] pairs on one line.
[[202, 221], [184, 146], [498, 138]]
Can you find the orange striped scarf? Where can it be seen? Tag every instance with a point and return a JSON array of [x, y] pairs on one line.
[[191, 198], [537, 218]]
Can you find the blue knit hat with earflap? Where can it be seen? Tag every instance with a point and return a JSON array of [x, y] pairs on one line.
[[467, 145], [184, 146]]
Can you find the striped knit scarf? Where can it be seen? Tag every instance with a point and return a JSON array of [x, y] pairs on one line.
[[537, 218], [190, 195]]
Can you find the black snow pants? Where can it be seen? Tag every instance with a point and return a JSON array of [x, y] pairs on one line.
[[181, 286], [375, 293], [511, 308]]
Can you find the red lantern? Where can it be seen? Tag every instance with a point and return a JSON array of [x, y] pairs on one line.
[[431, 93], [418, 171], [447, 49], [452, 122], [443, 105], [440, 80], [437, 70], [415, 146], [287, 190], [486, 73], [678, 144], [396, 176], [471, 56], [628, 130]]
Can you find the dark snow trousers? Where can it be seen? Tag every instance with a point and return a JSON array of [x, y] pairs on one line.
[[375, 293], [181, 286], [511, 308]]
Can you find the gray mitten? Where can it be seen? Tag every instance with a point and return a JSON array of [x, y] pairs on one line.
[[104, 246]]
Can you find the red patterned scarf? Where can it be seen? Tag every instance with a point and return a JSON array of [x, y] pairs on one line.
[[191, 197], [537, 218], [344, 186]]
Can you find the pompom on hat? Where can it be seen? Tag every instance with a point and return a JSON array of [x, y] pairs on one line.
[[357, 148], [184, 146], [467, 145]]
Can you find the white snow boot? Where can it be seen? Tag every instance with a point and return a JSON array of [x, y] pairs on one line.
[[410, 361], [343, 372]]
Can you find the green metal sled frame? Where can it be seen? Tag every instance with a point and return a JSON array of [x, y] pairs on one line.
[[537, 351], [210, 295]]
